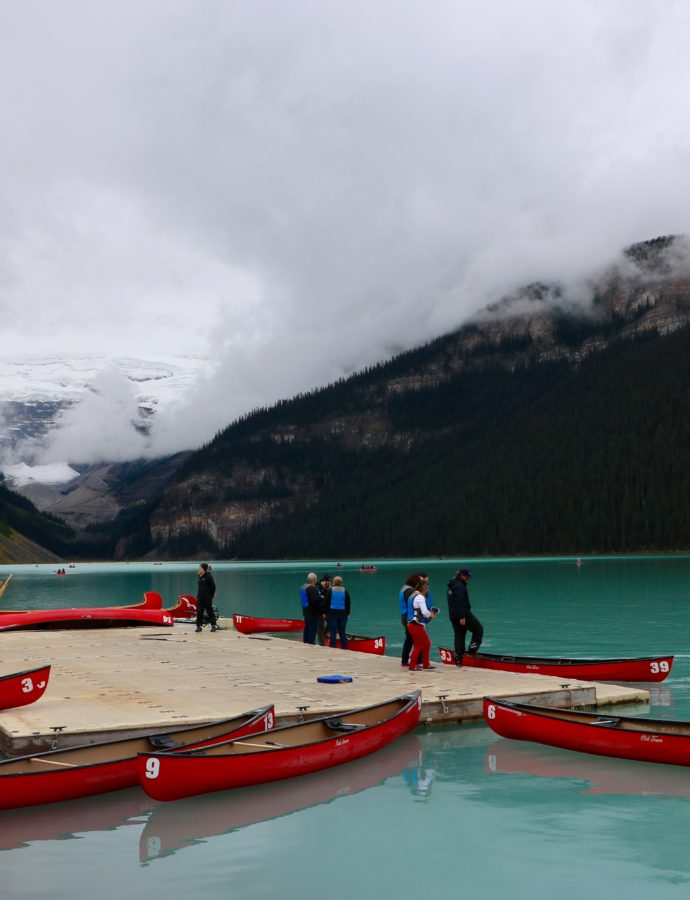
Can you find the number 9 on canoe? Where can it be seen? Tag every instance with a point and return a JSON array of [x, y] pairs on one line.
[[153, 767]]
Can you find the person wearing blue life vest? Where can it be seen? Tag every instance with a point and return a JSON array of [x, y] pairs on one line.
[[418, 615], [337, 613], [311, 608], [412, 583]]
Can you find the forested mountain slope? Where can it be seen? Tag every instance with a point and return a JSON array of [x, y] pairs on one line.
[[545, 428], [26, 535]]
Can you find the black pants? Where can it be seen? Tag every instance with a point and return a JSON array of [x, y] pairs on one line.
[[311, 624], [205, 606], [407, 644], [476, 629]]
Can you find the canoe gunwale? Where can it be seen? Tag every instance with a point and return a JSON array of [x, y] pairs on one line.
[[247, 718], [633, 669], [411, 699], [24, 673], [556, 661]]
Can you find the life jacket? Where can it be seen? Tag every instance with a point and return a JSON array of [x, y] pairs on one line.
[[338, 599], [403, 594], [303, 594], [414, 615]]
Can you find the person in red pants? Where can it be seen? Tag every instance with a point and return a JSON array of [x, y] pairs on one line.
[[418, 616]]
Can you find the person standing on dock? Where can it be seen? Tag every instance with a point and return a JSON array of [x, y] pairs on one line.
[[418, 616], [337, 612], [325, 591], [412, 583], [461, 616], [311, 608], [206, 591]]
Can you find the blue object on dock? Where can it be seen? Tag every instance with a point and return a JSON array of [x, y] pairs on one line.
[[333, 679]]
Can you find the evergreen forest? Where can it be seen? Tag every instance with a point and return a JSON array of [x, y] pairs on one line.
[[548, 458]]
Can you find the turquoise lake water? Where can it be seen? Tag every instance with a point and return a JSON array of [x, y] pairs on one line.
[[447, 811]]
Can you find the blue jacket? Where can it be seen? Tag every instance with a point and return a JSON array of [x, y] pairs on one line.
[[311, 599]]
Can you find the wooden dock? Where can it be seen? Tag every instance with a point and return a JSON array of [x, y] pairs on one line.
[[121, 682]]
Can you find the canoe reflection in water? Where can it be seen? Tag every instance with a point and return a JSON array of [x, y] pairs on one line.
[[62, 821], [173, 826], [605, 776]]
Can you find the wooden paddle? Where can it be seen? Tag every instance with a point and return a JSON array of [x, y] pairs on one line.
[[3, 586]]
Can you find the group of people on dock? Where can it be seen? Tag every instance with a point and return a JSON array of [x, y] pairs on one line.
[[416, 612], [325, 606]]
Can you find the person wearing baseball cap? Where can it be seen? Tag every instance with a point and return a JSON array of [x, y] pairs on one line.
[[461, 616], [206, 591]]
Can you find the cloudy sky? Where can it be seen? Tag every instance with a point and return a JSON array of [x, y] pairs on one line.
[[298, 189]]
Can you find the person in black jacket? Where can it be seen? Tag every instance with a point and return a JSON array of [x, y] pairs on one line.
[[461, 616], [312, 608], [324, 587], [205, 592]]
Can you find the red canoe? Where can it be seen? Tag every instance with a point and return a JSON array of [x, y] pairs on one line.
[[174, 826], [84, 618], [185, 608], [23, 688], [152, 600], [640, 738], [284, 753], [646, 668], [111, 765], [256, 624], [362, 644]]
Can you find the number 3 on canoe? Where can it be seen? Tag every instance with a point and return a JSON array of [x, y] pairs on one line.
[[153, 767], [27, 685]]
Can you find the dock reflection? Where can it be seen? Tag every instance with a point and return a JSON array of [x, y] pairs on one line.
[[604, 775], [174, 826]]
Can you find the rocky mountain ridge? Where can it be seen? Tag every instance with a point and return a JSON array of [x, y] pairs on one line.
[[251, 475]]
